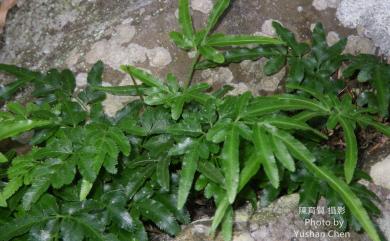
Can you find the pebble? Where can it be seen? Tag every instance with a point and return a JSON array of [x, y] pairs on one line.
[[203, 6], [267, 27], [332, 38], [159, 57], [380, 173], [321, 5], [357, 44], [81, 80], [218, 75]]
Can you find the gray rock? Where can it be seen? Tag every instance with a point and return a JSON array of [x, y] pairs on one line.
[[380, 172], [332, 38], [267, 28], [113, 103], [73, 58], [271, 83], [357, 44], [81, 80], [372, 15], [239, 88], [312, 26], [42, 33], [243, 237], [324, 4], [159, 57], [115, 55], [279, 221], [220, 75], [258, 79], [203, 6], [384, 220], [377, 162], [320, 4]]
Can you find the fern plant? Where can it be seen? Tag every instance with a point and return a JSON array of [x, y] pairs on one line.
[[318, 66], [87, 176]]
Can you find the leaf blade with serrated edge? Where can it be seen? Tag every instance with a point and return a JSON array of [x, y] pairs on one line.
[[381, 83], [85, 188], [350, 148], [235, 55], [143, 76], [219, 8], [230, 162], [95, 75], [10, 189], [220, 40], [282, 154], [284, 102], [3, 158], [211, 172], [288, 123], [162, 170], [125, 90], [296, 148], [89, 229], [274, 64], [187, 176], [10, 128], [252, 166], [121, 140], [20, 225], [157, 213], [264, 152], [38, 187], [180, 40], [227, 225], [212, 54], [185, 19]]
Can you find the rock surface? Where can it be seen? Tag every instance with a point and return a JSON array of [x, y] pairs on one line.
[[75, 34], [371, 15], [371, 18], [159, 57], [203, 6], [359, 45], [324, 4], [267, 28], [380, 172], [279, 221], [332, 38]]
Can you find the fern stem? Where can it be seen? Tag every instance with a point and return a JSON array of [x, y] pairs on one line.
[[141, 96], [192, 71]]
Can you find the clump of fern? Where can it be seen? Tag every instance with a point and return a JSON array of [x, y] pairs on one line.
[[88, 176]]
